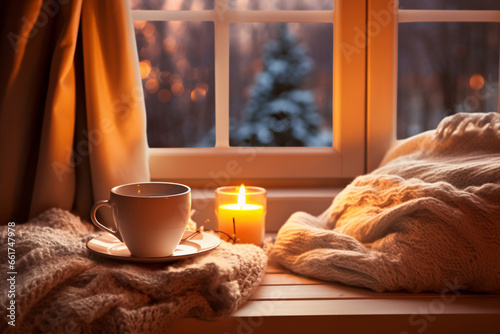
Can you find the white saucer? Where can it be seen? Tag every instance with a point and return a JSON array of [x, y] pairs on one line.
[[110, 246]]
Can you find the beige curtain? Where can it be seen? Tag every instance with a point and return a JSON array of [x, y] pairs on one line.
[[72, 118]]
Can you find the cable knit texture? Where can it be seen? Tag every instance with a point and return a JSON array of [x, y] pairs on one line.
[[427, 219], [63, 288]]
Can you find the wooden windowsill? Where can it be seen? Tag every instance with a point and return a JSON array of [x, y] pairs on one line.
[[288, 303]]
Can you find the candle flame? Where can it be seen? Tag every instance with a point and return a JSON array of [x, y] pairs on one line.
[[241, 196]]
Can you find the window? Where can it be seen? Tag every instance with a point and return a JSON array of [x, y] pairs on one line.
[[220, 156], [426, 60], [391, 79]]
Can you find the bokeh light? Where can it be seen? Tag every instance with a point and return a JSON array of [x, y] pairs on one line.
[[152, 86], [170, 44], [145, 67], [175, 78], [164, 95], [155, 73], [177, 89], [148, 29], [198, 95], [476, 81], [183, 65], [139, 24], [202, 85]]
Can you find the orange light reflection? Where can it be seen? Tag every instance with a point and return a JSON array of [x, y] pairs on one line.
[[476, 81]]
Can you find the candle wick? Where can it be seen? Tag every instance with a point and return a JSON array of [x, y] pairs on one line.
[[234, 228]]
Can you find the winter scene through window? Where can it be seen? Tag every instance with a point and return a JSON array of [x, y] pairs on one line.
[[280, 77], [446, 67], [280, 80]]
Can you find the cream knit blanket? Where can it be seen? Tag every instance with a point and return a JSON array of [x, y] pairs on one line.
[[62, 288], [427, 219]]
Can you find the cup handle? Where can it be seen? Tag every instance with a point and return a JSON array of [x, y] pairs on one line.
[[93, 217]]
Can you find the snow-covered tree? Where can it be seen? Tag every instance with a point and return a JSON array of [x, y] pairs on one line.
[[280, 112]]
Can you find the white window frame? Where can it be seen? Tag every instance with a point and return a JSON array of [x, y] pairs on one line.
[[346, 159], [382, 65]]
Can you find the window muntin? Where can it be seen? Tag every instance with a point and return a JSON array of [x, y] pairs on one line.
[[172, 4], [281, 5], [450, 4]]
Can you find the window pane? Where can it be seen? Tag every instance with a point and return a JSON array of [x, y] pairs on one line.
[[445, 68], [177, 70], [172, 4], [450, 4], [280, 4], [281, 84]]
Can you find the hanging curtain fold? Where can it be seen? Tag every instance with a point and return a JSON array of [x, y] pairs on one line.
[[72, 116]]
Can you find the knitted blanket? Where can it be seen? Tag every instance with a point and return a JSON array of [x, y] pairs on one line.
[[61, 287], [427, 219]]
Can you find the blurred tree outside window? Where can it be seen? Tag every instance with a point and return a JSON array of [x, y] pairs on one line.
[[286, 105]]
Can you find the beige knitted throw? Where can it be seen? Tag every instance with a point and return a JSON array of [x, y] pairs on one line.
[[62, 288], [427, 219]]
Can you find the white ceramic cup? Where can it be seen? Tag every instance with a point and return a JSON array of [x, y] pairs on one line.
[[150, 217]]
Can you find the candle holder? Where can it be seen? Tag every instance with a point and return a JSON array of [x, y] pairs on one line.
[[241, 212]]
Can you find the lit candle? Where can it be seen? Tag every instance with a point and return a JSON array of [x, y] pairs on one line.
[[248, 209]]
